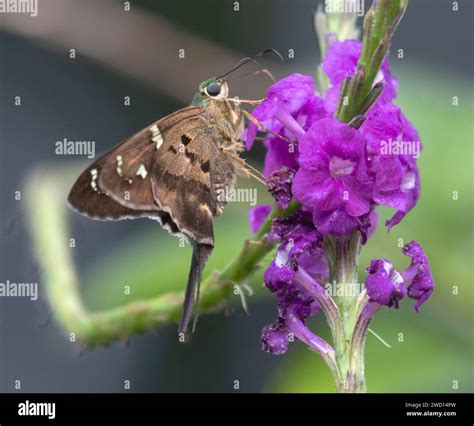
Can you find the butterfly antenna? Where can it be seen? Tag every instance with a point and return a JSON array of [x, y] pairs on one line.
[[246, 60], [264, 71]]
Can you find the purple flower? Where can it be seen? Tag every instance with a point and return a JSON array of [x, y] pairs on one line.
[[333, 172], [339, 174], [257, 216], [299, 239], [295, 304], [386, 286], [290, 108], [275, 338], [279, 185], [418, 276], [279, 275], [341, 62], [288, 95], [393, 145], [301, 243], [301, 246]]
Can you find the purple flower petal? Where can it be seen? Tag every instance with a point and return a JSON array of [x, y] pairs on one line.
[[419, 279], [368, 225], [277, 276], [290, 108], [279, 154], [290, 124], [331, 100], [298, 328], [339, 223], [316, 266], [314, 189], [384, 284], [336, 222], [275, 338], [393, 145], [279, 185], [341, 60], [257, 216], [333, 172], [289, 94]]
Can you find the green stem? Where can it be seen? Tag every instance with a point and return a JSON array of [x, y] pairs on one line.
[[47, 210], [343, 254], [365, 311], [360, 94]]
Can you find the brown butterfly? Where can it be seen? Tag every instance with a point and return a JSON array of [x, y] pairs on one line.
[[174, 171]]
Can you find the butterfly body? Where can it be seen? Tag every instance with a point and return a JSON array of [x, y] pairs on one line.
[[173, 171]]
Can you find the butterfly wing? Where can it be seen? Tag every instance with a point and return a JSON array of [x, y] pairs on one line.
[[182, 178], [117, 185], [168, 171], [86, 198]]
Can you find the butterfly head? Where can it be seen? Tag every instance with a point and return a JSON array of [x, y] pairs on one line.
[[214, 88]]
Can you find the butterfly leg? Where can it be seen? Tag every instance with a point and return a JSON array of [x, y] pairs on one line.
[[256, 174]]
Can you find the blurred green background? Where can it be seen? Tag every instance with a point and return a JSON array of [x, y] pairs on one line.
[[436, 354]]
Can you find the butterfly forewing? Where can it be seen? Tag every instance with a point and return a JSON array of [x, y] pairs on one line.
[[86, 197], [166, 167], [124, 175]]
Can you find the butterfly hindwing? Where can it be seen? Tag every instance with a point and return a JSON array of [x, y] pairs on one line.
[[181, 178]]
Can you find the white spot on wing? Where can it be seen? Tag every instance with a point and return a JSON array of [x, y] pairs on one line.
[[156, 136], [94, 175], [142, 171], [119, 164]]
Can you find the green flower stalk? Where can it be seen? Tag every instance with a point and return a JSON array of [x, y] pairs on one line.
[[339, 174]]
